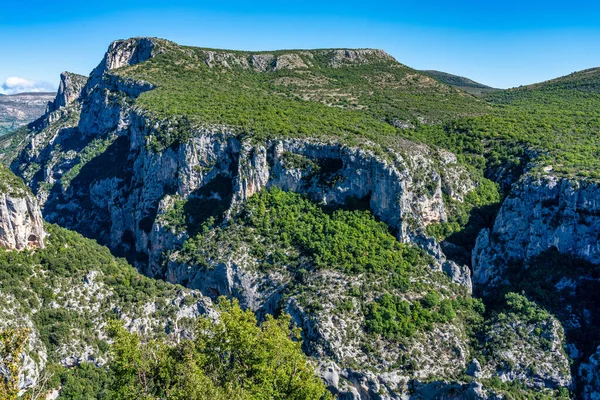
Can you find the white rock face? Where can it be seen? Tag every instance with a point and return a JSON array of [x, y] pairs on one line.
[[21, 223], [69, 90], [122, 53], [540, 214], [590, 374]]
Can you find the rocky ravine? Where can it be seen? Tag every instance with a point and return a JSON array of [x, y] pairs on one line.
[[117, 196], [90, 164], [550, 224]]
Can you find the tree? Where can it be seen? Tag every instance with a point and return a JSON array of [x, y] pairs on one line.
[[12, 343], [231, 358]]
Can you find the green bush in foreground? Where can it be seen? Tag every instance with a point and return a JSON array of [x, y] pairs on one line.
[[233, 358]]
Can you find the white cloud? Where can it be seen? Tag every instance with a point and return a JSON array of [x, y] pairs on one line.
[[15, 84]]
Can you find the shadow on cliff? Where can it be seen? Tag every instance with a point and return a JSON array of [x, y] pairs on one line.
[[565, 285], [208, 204], [73, 207], [459, 245]]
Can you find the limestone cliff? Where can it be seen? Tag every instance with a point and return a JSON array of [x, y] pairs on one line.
[[538, 215], [545, 242], [21, 224], [69, 90], [116, 196]]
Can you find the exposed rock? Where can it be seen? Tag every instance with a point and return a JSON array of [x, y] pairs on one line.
[[341, 57], [262, 62], [124, 193], [21, 224], [531, 352], [540, 214], [122, 53], [69, 90], [590, 376], [474, 369], [289, 61], [405, 191]]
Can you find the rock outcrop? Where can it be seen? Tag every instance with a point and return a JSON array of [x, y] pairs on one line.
[[21, 223], [69, 90], [94, 170], [538, 215]]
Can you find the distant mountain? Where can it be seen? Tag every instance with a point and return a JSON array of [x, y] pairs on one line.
[[460, 82], [19, 109]]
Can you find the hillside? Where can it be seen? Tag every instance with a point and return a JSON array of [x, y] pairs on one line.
[[460, 82], [587, 80], [554, 123], [392, 216], [19, 109], [338, 92]]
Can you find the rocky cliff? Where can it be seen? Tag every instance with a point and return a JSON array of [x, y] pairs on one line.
[[21, 223], [69, 90], [120, 192], [540, 214], [544, 243]]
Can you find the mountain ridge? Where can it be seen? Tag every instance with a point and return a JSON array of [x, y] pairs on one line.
[[461, 82]]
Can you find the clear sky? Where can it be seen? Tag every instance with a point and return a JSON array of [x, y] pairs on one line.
[[499, 43]]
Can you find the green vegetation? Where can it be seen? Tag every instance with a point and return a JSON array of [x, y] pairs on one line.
[[525, 310], [352, 241], [552, 280], [232, 358], [83, 382], [11, 144], [229, 358], [30, 278], [460, 82], [467, 218], [517, 390], [351, 103], [287, 232], [529, 332], [396, 318], [94, 149], [559, 128], [555, 122], [12, 344], [10, 184]]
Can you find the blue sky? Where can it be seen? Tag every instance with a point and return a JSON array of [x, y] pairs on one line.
[[499, 43]]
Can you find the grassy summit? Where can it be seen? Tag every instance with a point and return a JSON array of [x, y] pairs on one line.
[[358, 95], [335, 93]]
